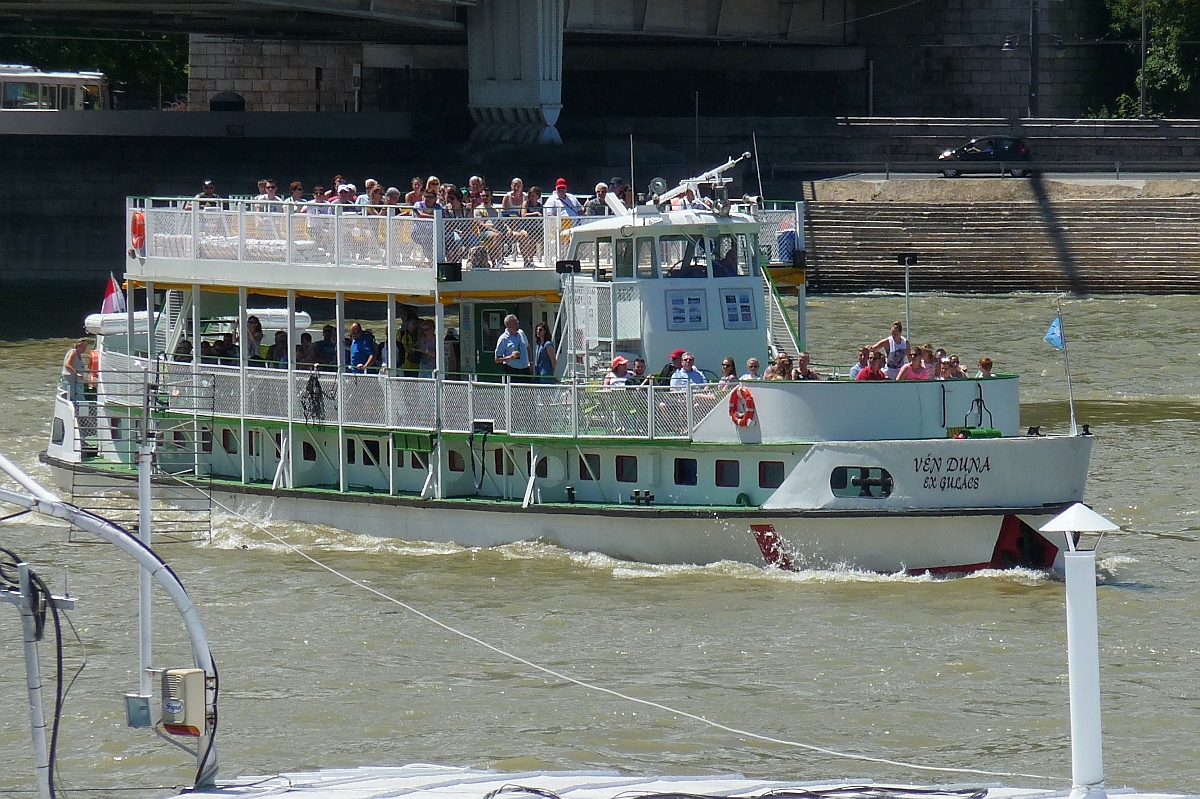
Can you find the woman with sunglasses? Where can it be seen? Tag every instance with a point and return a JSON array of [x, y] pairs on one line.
[[915, 368], [728, 372]]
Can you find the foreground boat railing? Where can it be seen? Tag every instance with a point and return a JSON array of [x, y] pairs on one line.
[[33, 497]]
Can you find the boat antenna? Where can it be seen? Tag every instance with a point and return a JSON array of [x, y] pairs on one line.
[[757, 166], [632, 182]]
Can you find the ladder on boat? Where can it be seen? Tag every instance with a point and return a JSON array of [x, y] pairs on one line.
[[781, 333]]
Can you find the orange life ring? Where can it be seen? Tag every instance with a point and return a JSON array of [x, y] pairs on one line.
[[137, 230], [741, 406]]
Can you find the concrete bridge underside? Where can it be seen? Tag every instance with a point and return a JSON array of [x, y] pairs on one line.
[[514, 48]]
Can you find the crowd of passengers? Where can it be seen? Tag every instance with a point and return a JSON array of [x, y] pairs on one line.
[[427, 195], [522, 360]]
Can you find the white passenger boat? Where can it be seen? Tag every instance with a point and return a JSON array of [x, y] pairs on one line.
[[805, 474]]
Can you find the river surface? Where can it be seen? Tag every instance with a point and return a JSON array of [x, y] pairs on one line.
[[959, 672]]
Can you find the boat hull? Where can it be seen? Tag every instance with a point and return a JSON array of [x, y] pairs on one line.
[[954, 540]]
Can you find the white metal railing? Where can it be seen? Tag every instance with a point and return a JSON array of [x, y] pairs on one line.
[[584, 410], [344, 235]]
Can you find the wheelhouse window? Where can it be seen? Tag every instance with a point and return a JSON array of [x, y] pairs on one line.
[[861, 481], [770, 474], [623, 259], [685, 471], [729, 473], [683, 256], [627, 469], [733, 255], [647, 267]]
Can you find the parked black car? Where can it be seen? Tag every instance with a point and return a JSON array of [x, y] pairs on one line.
[[984, 154]]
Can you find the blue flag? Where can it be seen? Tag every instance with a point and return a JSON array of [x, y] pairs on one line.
[[1054, 336]]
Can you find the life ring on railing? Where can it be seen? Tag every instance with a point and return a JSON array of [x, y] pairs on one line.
[[741, 406], [93, 369], [137, 231]]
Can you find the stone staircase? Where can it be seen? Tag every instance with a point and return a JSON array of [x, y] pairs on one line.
[[1144, 245]]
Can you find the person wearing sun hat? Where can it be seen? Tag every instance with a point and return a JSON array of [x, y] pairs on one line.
[[619, 374], [673, 366], [561, 203]]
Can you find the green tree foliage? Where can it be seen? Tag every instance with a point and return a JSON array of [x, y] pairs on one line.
[[139, 63], [1173, 59]]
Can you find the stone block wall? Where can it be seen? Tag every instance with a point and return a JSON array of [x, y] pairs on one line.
[[272, 75], [943, 57]]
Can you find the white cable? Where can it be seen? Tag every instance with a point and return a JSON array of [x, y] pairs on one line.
[[593, 687]]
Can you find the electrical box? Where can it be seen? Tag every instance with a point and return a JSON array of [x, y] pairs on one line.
[[183, 701]]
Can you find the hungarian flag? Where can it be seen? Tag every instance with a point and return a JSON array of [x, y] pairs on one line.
[[114, 298]]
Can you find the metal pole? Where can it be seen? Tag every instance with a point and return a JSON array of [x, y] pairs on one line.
[[1034, 47], [1142, 74], [33, 680], [243, 300], [439, 316], [1067, 366], [340, 313], [907, 306]]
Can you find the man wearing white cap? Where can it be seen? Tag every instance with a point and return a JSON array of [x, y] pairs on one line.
[[561, 203]]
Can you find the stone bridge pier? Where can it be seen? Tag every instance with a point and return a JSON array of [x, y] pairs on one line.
[[515, 62]]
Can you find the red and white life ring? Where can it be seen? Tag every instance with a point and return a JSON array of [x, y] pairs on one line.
[[137, 231], [741, 406]]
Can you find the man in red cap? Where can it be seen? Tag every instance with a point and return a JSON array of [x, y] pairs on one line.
[[561, 203], [673, 366]]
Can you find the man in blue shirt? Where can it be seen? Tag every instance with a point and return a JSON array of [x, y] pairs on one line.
[[688, 373], [512, 351], [362, 349]]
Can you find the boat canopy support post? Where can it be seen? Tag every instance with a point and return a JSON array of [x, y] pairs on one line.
[[145, 534], [340, 313], [291, 381], [196, 431], [242, 343]]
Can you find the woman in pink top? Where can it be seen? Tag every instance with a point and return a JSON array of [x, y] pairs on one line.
[[915, 368]]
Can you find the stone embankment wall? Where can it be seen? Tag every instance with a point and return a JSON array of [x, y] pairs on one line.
[[991, 235]]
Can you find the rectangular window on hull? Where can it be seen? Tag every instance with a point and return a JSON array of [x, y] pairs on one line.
[[627, 469], [770, 474], [229, 441], [456, 461], [685, 471], [370, 452], [589, 467], [729, 474]]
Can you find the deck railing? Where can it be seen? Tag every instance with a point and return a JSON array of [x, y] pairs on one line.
[[343, 235], [582, 410], [383, 236]]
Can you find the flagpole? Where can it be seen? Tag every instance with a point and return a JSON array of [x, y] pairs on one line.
[[1067, 364]]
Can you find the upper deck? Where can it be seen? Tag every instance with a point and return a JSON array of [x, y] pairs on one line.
[[387, 249]]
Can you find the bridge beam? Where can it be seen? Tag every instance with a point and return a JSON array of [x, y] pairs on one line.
[[514, 62]]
